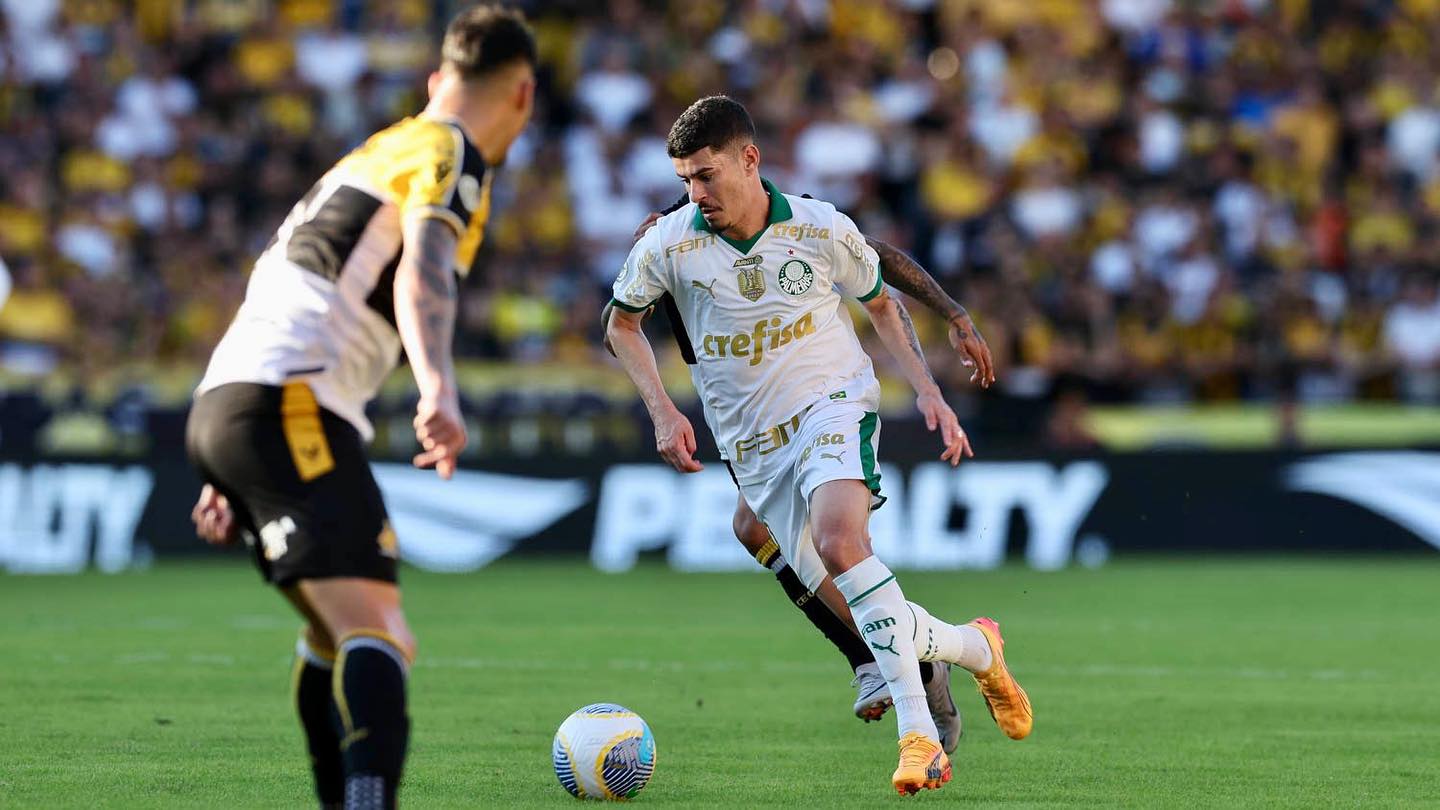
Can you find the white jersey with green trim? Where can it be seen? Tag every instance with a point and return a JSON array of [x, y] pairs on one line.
[[766, 318]]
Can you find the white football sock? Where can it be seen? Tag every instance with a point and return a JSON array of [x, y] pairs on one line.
[[887, 626], [958, 644]]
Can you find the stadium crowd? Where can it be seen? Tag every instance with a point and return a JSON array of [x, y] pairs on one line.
[[1145, 200]]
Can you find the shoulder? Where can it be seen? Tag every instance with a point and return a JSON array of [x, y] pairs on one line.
[[672, 228], [678, 222], [417, 136], [810, 207], [820, 215]]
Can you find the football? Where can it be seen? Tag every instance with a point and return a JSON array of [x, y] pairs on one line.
[[604, 751]]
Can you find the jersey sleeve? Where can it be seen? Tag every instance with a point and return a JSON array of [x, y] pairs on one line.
[[427, 176], [642, 278], [856, 265]]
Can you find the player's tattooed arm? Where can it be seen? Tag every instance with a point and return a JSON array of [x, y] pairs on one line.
[[425, 306], [892, 324], [906, 275], [908, 326]]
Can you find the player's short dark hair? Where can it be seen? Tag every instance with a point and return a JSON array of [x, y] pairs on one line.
[[484, 38], [713, 121]]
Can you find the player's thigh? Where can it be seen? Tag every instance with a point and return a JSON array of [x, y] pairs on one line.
[[301, 475], [352, 605]]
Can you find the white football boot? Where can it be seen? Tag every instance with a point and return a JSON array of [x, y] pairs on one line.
[[872, 693], [942, 706]]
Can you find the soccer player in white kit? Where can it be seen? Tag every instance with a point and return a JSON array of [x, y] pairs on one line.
[[759, 278]]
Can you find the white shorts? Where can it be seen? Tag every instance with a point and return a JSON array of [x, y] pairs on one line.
[[835, 441]]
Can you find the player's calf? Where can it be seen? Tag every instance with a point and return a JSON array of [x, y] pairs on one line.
[[311, 685], [839, 511], [369, 685], [369, 688], [872, 697]]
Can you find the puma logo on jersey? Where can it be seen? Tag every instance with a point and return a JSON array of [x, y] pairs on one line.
[[752, 344], [709, 288], [890, 647], [309, 451], [835, 456]]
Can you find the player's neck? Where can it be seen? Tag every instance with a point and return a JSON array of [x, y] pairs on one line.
[[756, 214], [479, 120]]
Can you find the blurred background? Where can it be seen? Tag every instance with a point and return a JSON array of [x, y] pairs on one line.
[[1198, 227]]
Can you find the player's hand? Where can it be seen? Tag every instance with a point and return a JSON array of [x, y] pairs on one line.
[[939, 415], [647, 224], [441, 433], [214, 519], [675, 439], [966, 340]]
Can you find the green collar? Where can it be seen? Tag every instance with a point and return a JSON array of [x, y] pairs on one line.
[[779, 212]]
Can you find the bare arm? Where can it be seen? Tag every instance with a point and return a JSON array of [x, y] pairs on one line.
[[605, 326], [906, 275], [425, 318], [674, 436], [892, 324]]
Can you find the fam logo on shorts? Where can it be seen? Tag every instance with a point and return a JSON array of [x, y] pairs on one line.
[[796, 277], [275, 537]]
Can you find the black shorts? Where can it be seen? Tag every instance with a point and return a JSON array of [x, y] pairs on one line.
[[298, 479]]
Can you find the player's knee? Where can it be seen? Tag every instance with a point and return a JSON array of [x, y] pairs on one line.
[[398, 638], [751, 533], [838, 545], [319, 640]]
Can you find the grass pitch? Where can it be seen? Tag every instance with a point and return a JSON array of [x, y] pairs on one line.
[[1162, 683]]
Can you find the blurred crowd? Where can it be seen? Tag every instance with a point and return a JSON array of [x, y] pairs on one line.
[[1138, 200]]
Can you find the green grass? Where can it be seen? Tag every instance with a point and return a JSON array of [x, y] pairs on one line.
[[1162, 683]]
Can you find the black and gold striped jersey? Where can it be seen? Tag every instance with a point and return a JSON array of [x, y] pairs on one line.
[[320, 302]]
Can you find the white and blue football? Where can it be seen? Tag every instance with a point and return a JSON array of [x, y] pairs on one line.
[[604, 751]]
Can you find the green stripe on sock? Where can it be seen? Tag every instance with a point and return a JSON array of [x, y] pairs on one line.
[[882, 583]]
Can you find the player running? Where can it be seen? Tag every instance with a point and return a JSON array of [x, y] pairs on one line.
[[759, 277], [365, 264], [828, 612]]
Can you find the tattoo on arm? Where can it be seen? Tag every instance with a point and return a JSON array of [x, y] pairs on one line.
[[906, 275], [909, 328], [425, 292]]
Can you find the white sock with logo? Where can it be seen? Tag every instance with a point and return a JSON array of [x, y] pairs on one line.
[[884, 620], [958, 644]]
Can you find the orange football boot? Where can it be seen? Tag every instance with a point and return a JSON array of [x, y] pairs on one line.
[[1007, 702], [923, 765]]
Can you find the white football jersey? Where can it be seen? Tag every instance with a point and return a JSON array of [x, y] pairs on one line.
[[319, 307], [766, 318]]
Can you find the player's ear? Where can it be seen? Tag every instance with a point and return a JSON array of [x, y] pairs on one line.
[[528, 90], [750, 158]]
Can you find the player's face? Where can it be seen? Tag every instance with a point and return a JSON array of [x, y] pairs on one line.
[[716, 181]]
